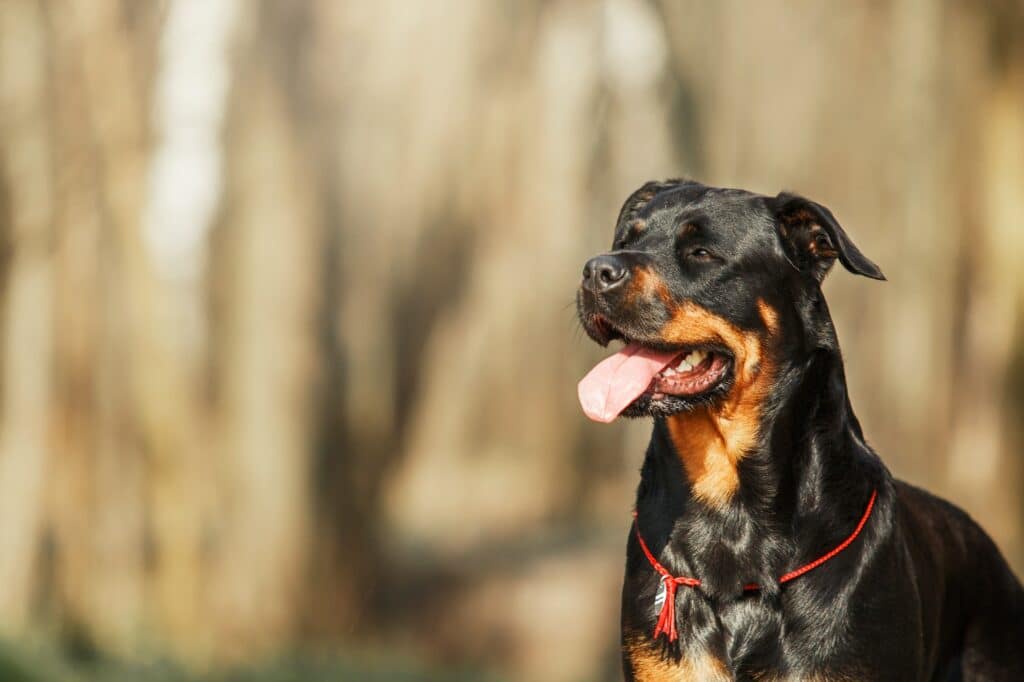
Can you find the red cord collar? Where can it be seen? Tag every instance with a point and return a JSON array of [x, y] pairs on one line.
[[667, 617]]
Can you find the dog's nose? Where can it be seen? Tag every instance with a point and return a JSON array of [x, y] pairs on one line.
[[604, 273]]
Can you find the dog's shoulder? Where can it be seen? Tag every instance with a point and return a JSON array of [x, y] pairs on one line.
[[921, 504], [938, 530], [929, 518]]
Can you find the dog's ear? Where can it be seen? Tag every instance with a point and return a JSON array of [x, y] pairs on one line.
[[813, 238]]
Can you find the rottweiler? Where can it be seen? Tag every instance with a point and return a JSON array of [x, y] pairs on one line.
[[770, 542]]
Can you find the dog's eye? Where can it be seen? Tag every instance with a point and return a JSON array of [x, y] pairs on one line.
[[700, 253]]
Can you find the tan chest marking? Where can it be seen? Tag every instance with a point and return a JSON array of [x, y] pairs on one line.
[[650, 666], [711, 441]]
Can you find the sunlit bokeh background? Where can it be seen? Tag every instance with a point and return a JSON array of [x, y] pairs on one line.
[[287, 346]]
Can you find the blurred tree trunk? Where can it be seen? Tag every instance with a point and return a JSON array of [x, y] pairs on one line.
[[266, 259], [985, 463], [77, 175], [27, 202], [109, 58]]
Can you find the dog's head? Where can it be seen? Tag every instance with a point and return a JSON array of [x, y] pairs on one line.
[[703, 285]]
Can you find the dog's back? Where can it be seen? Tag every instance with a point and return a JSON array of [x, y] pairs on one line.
[[973, 603]]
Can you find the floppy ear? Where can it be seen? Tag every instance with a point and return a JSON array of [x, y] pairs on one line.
[[813, 238]]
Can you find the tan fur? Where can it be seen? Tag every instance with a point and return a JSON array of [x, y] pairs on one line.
[[650, 666], [711, 441], [688, 228], [642, 284]]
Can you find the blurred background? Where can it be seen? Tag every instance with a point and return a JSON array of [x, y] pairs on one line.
[[287, 346]]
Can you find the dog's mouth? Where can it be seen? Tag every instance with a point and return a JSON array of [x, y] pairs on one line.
[[642, 380], [690, 374]]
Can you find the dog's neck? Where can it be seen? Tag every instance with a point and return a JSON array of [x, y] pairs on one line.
[[732, 518]]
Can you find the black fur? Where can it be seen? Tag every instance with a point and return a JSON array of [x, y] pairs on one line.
[[922, 594]]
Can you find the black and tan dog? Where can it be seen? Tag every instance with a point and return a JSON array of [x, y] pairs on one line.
[[770, 541]]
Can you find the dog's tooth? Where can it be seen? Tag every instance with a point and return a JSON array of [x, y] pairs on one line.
[[696, 357], [684, 366]]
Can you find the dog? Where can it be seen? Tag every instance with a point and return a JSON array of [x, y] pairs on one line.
[[770, 542]]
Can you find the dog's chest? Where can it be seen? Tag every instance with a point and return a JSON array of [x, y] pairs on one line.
[[649, 661], [743, 639]]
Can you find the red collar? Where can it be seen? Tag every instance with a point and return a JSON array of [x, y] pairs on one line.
[[667, 618]]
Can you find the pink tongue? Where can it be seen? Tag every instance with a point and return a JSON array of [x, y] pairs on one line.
[[618, 380]]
